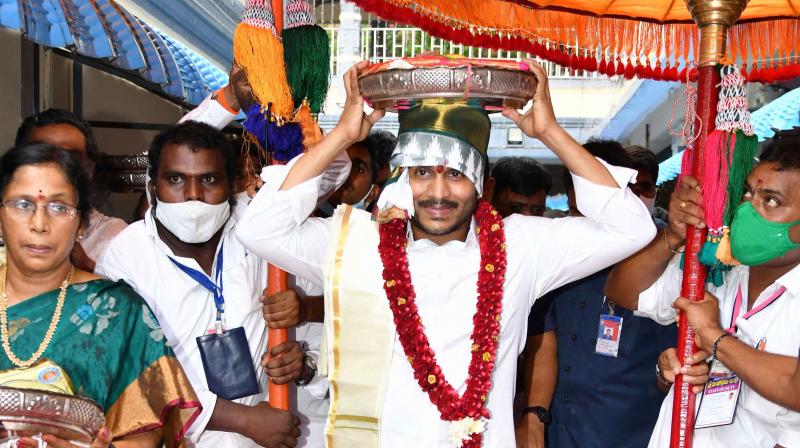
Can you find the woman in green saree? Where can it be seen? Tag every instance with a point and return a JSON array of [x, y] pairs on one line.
[[66, 330]]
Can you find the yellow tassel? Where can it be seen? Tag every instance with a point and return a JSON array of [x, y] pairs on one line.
[[260, 54], [312, 134], [724, 253]]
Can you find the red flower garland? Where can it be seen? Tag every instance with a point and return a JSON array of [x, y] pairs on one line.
[[485, 335]]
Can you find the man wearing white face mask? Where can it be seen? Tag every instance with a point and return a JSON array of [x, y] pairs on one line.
[[360, 189], [184, 259]]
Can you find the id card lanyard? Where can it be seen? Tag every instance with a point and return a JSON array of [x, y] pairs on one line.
[[609, 331], [721, 393], [737, 307], [214, 287]]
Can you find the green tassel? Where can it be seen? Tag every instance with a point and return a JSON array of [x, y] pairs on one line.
[[715, 270], [307, 54], [744, 153], [744, 158], [715, 274], [708, 253]]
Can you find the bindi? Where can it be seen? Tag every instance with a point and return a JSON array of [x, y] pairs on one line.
[[440, 169], [41, 196]]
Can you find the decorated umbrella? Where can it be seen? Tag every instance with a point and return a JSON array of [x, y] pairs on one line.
[[654, 39]]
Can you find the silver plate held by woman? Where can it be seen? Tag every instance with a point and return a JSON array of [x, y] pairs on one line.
[[27, 412], [492, 88]]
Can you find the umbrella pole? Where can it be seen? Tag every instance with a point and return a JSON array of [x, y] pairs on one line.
[[714, 17], [694, 273], [276, 279], [278, 393]]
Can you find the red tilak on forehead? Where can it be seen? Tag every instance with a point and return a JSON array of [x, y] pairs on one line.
[[440, 169], [40, 196]]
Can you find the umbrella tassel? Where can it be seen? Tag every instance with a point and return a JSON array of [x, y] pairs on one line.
[[259, 52]]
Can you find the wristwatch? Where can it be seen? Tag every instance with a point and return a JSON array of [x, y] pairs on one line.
[[660, 376], [311, 370], [542, 413]]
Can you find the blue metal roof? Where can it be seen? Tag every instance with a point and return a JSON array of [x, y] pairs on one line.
[[781, 114], [102, 29], [670, 168]]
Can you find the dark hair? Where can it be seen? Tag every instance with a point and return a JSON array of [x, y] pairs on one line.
[[69, 163], [611, 151], [381, 144], [53, 117], [373, 161], [643, 159], [196, 136], [783, 150], [522, 175]]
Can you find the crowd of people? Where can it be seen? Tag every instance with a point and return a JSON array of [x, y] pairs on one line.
[[565, 342]]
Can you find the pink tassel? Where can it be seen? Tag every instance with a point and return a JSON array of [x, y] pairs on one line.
[[716, 161], [686, 165]]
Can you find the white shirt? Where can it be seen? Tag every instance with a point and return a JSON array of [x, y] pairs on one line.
[[542, 254], [100, 231], [311, 401], [758, 422], [186, 310], [311, 404]]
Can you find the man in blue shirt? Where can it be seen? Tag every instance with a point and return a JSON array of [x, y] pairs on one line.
[[606, 392]]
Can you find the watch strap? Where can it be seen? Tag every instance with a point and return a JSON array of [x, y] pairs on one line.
[[311, 370], [542, 413]]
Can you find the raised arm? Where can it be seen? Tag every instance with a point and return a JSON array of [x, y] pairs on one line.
[[638, 272], [276, 225], [540, 122], [221, 107], [616, 223], [354, 125]]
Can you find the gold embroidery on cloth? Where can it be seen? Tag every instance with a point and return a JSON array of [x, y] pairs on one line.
[[334, 378], [154, 401]]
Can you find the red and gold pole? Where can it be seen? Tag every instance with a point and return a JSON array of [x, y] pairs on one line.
[[714, 17], [276, 278]]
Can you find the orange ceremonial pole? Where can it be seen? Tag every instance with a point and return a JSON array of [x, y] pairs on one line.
[[714, 17], [278, 393], [276, 279]]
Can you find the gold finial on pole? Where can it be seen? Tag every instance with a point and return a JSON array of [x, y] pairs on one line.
[[714, 18]]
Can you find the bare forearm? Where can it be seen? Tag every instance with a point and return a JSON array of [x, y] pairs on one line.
[[639, 271], [315, 308], [775, 377], [228, 416], [541, 369], [576, 158]]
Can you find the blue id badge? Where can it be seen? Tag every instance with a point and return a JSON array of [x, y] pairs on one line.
[[608, 333]]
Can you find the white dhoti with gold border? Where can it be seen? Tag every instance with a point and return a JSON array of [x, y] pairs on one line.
[[359, 332]]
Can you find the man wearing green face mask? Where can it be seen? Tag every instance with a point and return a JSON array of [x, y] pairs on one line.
[[750, 325]]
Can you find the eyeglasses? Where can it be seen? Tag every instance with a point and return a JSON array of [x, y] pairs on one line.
[[25, 209]]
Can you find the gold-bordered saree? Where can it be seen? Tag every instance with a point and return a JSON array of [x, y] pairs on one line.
[[112, 349]]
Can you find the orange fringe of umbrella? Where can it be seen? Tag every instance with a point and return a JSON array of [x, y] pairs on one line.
[[614, 46]]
